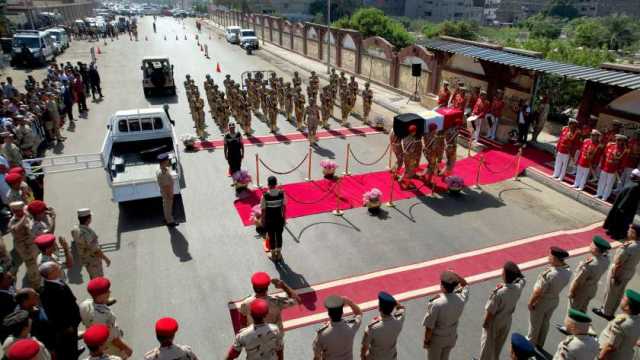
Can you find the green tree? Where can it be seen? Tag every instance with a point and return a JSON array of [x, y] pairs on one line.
[[623, 31], [459, 29], [339, 8], [591, 33], [562, 9], [545, 27], [373, 22]]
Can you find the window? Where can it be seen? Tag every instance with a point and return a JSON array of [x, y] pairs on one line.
[[457, 15], [157, 123], [427, 13], [147, 124], [122, 126], [134, 125]]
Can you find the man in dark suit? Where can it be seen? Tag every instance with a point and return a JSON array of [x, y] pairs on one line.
[[624, 208], [60, 305], [29, 300], [7, 302]]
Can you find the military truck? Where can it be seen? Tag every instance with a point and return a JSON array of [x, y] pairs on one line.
[[157, 76]]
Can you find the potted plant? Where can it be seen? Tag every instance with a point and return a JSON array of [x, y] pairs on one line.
[[454, 184], [241, 180], [256, 219], [378, 122], [328, 168], [371, 200], [189, 141]]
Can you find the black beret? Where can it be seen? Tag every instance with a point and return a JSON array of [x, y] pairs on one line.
[[559, 252]]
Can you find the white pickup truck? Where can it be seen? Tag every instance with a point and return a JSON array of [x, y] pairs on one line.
[[133, 141]]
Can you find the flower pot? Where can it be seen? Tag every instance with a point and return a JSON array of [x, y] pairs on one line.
[[373, 206], [241, 186], [328, 172]]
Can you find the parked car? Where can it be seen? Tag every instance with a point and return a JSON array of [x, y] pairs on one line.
[[60, 39], [248, 39], [232, 34], [32, 47]]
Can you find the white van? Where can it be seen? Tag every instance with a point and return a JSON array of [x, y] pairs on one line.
[[39, 43], [60, 39], [232, 34]]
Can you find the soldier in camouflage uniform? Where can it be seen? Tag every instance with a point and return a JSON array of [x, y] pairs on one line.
[[367, 99], [255, 95], [326, 105], [199, 118], [353, 92], [288, 100], [245, 113], [314, 84], [344, 104], [342, 84], [86, 240], [297, 82], [223, 112], [272, 106], [299, 107], [281, 95], [264, 94], [333, 84], [227, 82], [20, 228], [312, 119]]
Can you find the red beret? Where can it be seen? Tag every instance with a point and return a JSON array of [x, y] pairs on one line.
[[44, 241], [37, 207], [260, 280], [259, 308], [413, 128], [16, 170], [98, 286], [96, 335], [166, 326], [13, 178], [24, 349]]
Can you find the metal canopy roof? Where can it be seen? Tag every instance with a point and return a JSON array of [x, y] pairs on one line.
[[602, 76]]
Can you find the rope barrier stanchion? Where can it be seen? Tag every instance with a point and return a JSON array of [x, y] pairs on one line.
[[390, 202], [480, 163], [257, 171], [469, 144], [308, 178], [515, 177], [346, 165], [390, 155], [337, 211]]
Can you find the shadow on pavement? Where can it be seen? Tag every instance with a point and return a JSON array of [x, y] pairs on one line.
[[161, 100], [179, 245], [144, 214], [467, 201], [297, 281]]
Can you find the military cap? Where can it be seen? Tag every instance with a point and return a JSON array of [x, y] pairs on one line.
[[163, 157], [37, 207], [621, 137], [386, 298], [16, 205], [260, 279], [483, 92], [412, 128], [13, 178], [449, 277], [333, 302], [166, 326], [578, 316], [84, 212], [44, 241], [98, 286], [559, 252], [573, 121], [601, 243], [633, 296], [259, 308], [14, 318], [445, 82], [521, 346], [23, 349], [96, 335], [635, 173]]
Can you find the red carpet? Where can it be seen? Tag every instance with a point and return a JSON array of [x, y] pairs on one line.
[[292, 137], [308, 198], [419, 280]]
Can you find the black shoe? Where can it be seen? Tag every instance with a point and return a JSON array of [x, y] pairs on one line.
[[81, 350], [600, 312]]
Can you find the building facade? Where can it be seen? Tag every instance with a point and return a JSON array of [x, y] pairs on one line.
[[511, 11], [441, 10], [390, 7], [608, 7]]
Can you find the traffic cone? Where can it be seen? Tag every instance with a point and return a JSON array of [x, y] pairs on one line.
[[218, 70], [99, 52]]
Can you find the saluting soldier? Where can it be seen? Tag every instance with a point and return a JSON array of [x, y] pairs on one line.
[[579, 344], [443, 313], [260, 340], [545, 297], [96, 311], [353, 90], [166, 329], [272, 106], [333, 84], [381, 335], [312, 117], [288, 100], [165, 181], [367, 99], [297, 81], [621, 272], [326, 105], [498, 310], [299, 107], [20, 228], [86, 240], [334, 340], [588, 274], [618, 339], [314, 83], [344, 105]]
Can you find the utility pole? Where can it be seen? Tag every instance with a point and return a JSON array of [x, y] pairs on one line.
[[328, 36]]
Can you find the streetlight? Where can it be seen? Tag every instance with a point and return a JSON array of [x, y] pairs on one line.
[[328, 36]]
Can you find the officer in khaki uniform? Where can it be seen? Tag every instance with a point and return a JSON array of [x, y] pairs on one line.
[[326, 106], [227, 82], [353, 91], [443, 313], [165, 181], [545, 297], [584, 286], [288, 100], [618, 339], [312, 119], [297, 81], [166, 329], [96, 337], [299, 107], [367, 99], [623, 269], [272, 106], [224, 112], [579, 344], [334, 340], [264, 99], [260, 340], [281, 95], [86, 240], [342, 84], [344, 105], [381, 335], [199, 118], [245, 114], [498, 310], [20, 228], [96, 311]]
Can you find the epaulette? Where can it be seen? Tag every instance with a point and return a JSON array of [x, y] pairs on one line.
[[568, 340], [323, 327], [620, 319], [152, 354], [589, 260], [375, 320], [434, 297]]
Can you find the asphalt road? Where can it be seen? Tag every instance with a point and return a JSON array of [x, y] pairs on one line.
[[192, 271]]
